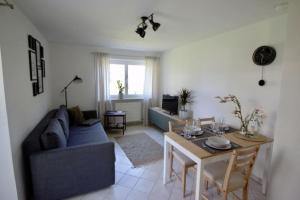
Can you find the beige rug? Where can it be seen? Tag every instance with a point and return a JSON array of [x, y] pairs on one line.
[[140, 148]]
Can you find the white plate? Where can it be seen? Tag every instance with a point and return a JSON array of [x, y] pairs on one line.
[[218, 141], [226, 147]]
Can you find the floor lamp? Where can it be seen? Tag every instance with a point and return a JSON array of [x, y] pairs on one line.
[[76, 79]]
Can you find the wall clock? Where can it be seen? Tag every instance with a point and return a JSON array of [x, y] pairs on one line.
[[263, 56]]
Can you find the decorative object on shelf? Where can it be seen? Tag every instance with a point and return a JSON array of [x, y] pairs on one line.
[[6, 3], [120, 88], [185, 97], [143, 25], [36, 65], [76, 79], [263, 56], [256, 117]]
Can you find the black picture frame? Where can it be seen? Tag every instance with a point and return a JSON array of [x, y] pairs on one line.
[[32, 65], [38, 53], [42, 51], [35, 88], [31, 42], [43, 68], [40, 81]]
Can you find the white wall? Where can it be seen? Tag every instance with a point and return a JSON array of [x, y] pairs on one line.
[[223, 65], [24, 111], [69, 60], [286, 154], [7, 182]]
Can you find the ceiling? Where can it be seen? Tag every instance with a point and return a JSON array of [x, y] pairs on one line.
[[112, 23]]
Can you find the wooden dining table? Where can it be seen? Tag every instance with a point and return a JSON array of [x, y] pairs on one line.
[[202, 157]]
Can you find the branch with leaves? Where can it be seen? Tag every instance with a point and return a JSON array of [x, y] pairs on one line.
[[120, 87], [256, 115]]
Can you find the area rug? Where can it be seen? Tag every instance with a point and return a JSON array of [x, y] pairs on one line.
[[140, 148]]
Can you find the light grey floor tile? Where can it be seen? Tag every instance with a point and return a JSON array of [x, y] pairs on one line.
[[117, 192], [137, 195], [137, 172], [144, 185], [128, 181]]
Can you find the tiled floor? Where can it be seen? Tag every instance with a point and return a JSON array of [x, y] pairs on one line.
[[145, 182]]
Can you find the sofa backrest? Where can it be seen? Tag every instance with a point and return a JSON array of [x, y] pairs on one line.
[[32, 144]]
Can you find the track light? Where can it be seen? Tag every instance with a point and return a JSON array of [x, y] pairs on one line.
[[143, 25], [155, 25], [6, 3]]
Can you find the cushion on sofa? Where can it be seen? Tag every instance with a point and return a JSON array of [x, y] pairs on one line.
[[83, 135], [53, 137], [63, 118], [76, 115]]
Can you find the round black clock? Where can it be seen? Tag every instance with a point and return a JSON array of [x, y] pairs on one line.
[[264, 55]]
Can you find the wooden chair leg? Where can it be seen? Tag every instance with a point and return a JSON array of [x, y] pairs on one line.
[[225, 194], [206, 183], [171, 165], [184, 170], [245, 192]]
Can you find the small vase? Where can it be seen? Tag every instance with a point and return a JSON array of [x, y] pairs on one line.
[[120, 95]]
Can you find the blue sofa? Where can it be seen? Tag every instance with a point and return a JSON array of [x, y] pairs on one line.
[[63, 161]]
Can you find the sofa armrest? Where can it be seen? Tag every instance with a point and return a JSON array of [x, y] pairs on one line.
[[65, 172], [89, 114]]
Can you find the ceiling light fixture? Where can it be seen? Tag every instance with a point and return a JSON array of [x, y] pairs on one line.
[[143, 25], [11, 6]]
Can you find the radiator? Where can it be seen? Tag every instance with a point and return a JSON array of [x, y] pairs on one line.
[[133, 109]]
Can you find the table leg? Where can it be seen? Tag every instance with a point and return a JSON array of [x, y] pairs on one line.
[[166, 161], [199, 180], [267, 168]]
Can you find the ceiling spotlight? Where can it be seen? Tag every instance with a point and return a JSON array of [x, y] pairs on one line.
[[143, 25], [155, 25], [141, 29]]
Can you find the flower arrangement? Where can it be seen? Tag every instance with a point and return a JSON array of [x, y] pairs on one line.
[[185, 96], [256, 116], [120, 88]]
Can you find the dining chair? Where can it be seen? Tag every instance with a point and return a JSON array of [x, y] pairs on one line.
[[183, 160], [205, 121], [229, 177]]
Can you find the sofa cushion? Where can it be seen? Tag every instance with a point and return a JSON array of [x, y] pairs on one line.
[[83, 135], [63, 118], [76, 115], [53, 137]]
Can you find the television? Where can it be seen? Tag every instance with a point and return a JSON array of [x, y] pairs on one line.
[[170, 104]]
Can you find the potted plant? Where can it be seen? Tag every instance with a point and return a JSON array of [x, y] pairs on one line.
[[185, 97], [120, 88], [256, 117]]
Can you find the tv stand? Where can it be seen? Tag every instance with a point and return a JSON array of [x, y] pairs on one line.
[[160, 118]]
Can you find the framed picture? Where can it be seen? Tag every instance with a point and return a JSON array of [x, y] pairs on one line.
[[43, 68], [42, 51], [31, 42], [40, 81], [35, 88], [38, 53], [32, 65]]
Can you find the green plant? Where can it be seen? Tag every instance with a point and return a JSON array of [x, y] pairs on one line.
[[256, 115], [120, 87], [185, 96]]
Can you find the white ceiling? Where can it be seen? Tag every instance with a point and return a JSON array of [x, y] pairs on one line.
[[112, 23]]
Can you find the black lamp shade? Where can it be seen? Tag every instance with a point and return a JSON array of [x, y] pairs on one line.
[[77, 79], [155, 25], [141, 32]]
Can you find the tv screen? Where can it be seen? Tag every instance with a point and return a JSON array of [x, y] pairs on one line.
[[170, 104]]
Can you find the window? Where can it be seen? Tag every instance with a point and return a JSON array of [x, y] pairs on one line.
[[131, 73]]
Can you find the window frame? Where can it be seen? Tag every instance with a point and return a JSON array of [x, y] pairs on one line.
[[127, 62]]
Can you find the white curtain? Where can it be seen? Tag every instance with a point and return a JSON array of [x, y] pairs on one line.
[[150, 86], [103, 101]]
